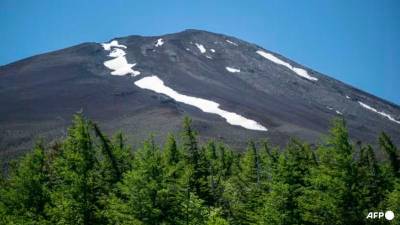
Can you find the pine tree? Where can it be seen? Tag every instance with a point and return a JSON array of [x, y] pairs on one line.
[[286, 186], [75, 196], [225, 171], [172, 155], [225, 156], [252, 165], [328, 199], [117, 156], [393, 202], [25, 195], [189, 142], [215, 176], [390, 149], [369, 191], [143, 185], [197, 160], [152, 192], [269, 158], [244, 190], [122, 153]]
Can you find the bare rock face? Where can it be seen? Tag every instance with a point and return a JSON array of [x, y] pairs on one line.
[[233, 90]]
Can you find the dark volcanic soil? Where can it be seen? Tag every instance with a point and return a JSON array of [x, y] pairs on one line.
[[38, 95]]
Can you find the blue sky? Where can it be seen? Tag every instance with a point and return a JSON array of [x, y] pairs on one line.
[[357, 42]]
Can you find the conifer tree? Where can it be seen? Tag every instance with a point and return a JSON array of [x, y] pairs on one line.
[[393, 202], [151, 191], [251, 165], [328, 198], [369, 191], [213, 167], [390, 149], [25, 195], [189, 142], [75, 196], [225, 157], [142, 186], [172, 154], [197, 160], [244, 191], [269, 158], [122, 153], [286, 186]]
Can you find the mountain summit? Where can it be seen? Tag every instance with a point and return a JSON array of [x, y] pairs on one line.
[[233, 90]]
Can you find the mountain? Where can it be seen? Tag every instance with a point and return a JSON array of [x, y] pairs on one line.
[[232, 89]]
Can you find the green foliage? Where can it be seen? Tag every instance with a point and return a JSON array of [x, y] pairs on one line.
[[24, 196], [287, 185], [328, 198], [89, 178], [215, 218], [390, 149], [393, 202], [197, 162]]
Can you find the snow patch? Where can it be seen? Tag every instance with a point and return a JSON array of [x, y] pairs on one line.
[[119, 65], [159, 42], [157, 85], [114, 43], [336, 111], [208, 57], [231, 42], [348, 97], [232, 70], [379, 112], [212, 50], [298, 71], [201, 48]]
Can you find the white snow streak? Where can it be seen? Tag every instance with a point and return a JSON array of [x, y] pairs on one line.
[[348, 97], [119, 64], [212, 50], [336, 111], [159, 42], [121, 67], [298, 71], [155, 84], [379, 112], [232, 70], [231, 42], [201, 48], [107, 46]]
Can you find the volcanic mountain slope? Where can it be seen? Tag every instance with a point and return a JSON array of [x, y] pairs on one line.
[[233, 90]]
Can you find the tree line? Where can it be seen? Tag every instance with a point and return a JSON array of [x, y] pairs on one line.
[[90, 178]]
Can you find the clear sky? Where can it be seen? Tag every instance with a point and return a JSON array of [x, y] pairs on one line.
[[356, 41]]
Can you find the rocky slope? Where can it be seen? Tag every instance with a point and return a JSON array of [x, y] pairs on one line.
[[232, 89]]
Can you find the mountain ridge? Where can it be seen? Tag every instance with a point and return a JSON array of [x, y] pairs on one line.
[[192, 30]]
